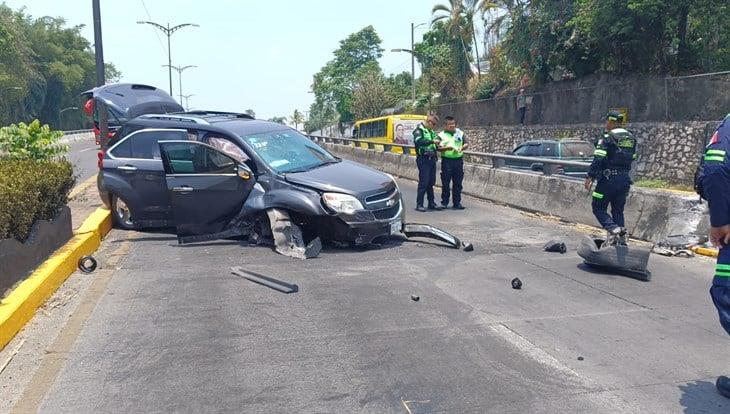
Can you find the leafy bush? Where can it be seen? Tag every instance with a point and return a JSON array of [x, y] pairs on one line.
[[31, 190], [484, 90], [33, 141]]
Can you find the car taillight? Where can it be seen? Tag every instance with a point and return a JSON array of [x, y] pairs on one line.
[[100, 159]]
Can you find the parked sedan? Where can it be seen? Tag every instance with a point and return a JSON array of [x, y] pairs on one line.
[[214, 175], [564, 149]]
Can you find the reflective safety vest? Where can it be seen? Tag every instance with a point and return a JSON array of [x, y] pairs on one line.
[[424, 139], [454, 140]]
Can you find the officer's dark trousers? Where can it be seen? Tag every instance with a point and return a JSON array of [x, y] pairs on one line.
[[426, 179], [611, 191], [720, 290], [452, 170]]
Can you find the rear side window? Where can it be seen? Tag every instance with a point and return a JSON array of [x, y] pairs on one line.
[[122, 150], [144, 144]]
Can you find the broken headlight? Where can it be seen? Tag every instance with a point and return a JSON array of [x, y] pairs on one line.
[[342, 203]]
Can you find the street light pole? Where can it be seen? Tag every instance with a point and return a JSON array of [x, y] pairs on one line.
[[413, 59], [100, 79], [179, 75], [168, 31], [187, 101]]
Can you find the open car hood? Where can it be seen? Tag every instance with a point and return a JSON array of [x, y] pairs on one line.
[[343, 177]]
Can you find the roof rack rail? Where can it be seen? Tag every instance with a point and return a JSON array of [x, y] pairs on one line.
[[175, 117], [206, 112]]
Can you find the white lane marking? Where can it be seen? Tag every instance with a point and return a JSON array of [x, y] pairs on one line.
[[87, 149]]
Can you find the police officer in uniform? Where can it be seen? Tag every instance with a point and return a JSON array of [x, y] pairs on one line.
[[714, 186], [427, 144], [610, 168], [453, 144]]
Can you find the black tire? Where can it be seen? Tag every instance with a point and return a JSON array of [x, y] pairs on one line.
[[122, 216], [619, 258]]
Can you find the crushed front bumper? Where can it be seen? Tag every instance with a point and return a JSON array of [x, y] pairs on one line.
[[362, 227]]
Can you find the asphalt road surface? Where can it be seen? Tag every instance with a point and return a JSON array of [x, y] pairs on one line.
[[168, 328], [82, 154]]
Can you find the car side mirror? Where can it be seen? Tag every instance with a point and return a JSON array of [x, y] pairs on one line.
[[244, 172]]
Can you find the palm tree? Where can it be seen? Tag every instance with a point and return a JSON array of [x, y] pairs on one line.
[[460, 16], [297, 118]]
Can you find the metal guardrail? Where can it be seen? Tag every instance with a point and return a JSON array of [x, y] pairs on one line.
[[549, 166], [76, 131]]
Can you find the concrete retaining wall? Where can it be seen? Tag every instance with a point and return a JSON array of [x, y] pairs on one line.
[[650, 214]]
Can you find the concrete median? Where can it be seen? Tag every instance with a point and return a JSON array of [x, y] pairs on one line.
[[650, 214]]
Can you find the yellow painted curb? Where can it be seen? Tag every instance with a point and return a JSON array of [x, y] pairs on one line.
[[705, 251], [21, 304]]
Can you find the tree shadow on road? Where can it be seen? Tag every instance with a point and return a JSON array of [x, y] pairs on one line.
[[701, 397]]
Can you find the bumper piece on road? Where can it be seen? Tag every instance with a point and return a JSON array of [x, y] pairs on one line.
[[624, 260], [424, 230]]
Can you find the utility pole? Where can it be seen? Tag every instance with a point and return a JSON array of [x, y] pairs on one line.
[[187, 101], [179, 76], [413, 66], [100, 79], [168, 31]]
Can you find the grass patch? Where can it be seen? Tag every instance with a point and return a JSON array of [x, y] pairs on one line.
[[661, 184]]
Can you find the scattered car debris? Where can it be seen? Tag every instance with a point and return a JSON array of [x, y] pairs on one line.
[[468, 247], [619, 259], [516, 283], [288, 237], [415, 298], [87, 264], [580, 358], [664, 251], [555, 246], [270, 282], [425, 230]]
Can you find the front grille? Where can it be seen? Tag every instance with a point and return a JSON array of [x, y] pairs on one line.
[[375, 198], [387, 213]]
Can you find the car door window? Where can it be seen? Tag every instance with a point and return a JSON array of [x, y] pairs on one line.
[[144, 144], [229, 148], [533, 150], [549, 150], [195, 158]]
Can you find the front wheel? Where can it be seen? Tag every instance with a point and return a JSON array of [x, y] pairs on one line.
[[121, 213]]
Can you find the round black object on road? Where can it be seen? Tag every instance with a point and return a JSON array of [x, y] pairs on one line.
[[415, 298], [516, 283], [580, 358], [468, 247], [87, 264]]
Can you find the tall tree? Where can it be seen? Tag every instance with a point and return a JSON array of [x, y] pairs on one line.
[[460, 15], [372, 95], [334, 84], [296, 118], [250, 112]]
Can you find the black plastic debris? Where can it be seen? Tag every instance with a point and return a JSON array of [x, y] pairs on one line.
[[555, 246], [468, 247], [415, 298], [580, 358], [267, 281], [616, 259], [516, 283], [87, 264]]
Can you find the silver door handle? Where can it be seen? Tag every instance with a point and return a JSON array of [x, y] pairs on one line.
[[127, 168], [182, 189]]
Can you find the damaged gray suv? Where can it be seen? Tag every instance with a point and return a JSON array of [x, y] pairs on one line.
[[216, 175]]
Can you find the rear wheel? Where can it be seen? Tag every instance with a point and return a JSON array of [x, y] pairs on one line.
[[121, 213]]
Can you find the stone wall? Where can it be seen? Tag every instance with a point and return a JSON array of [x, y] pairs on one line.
[[586, 100], [667, 151]]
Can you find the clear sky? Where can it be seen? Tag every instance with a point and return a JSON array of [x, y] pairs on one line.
[[250, 54]]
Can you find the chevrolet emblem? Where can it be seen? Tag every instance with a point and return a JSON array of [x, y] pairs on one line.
[[390, 203]]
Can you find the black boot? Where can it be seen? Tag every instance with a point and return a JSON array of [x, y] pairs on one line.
[[723, 386]]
